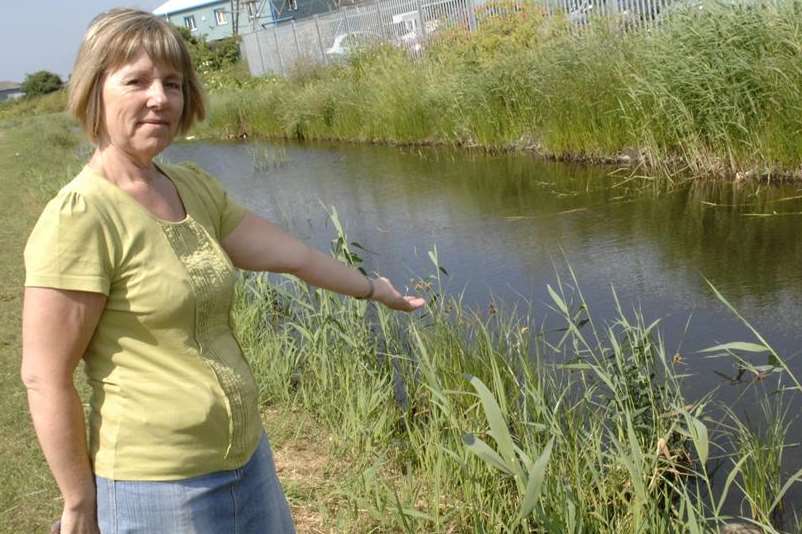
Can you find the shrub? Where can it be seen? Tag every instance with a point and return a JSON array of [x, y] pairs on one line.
[[41, 83], [211, 57]]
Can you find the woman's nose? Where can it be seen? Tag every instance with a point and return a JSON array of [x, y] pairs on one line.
[[157, 96]]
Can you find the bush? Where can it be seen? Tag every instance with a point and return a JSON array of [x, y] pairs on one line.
[[41, 83], [208, 58]]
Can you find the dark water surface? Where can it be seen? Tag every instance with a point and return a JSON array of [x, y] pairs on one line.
[[505, 225]]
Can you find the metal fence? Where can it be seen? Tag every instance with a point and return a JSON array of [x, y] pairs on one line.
[[410, 23]]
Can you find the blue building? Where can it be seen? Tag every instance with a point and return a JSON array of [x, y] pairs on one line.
[[215, 19]]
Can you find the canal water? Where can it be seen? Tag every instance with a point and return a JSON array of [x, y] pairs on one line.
[[505, 226]]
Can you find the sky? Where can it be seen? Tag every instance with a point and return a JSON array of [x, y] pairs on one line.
[[45, 35]]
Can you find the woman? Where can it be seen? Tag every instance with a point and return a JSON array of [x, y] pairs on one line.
[[131, 267]]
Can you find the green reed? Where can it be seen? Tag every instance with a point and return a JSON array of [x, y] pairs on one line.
[[761, 445], [459, 420]]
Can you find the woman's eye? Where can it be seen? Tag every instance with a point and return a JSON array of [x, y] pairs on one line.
[[133, 81]]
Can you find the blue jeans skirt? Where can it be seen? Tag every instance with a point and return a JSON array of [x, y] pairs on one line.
[[248, 500]]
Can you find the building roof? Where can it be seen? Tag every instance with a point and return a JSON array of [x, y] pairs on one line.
[[6, 86], [174, 6]]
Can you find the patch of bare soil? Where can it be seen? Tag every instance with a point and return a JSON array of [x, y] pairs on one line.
[[304, 466]]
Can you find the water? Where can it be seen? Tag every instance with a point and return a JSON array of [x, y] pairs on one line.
[[505, 226]]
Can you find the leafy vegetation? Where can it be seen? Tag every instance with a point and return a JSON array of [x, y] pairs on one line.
[[41, 83], [218, 63]]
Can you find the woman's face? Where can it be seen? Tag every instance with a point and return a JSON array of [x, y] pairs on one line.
[[142, 105]]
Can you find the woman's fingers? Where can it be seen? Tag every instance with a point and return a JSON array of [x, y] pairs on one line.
[[406, 303], [390, 297], [415, 302]]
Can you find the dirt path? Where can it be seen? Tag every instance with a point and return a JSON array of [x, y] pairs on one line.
[[304, 465]]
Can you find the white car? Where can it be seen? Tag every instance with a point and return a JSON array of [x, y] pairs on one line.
[[407, 33]]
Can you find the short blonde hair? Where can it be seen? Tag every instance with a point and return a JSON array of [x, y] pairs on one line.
[[113, 39]]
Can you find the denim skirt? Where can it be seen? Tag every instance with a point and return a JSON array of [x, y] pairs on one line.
[[248, 500]]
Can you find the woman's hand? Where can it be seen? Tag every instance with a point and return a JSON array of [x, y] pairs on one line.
[[384, 292], [77, 521]]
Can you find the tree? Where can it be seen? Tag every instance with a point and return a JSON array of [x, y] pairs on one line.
[[210, 57], [41, 83], [186, 35]]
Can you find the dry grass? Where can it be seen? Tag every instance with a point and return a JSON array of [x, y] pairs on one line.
[[301, 451]]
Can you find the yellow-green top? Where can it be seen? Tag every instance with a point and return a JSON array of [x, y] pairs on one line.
[[172, 395]]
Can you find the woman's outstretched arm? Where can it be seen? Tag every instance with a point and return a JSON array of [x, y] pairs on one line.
[[259, 245]]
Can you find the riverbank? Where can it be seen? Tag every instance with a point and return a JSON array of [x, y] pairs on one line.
[[585, 431], [711, 92]]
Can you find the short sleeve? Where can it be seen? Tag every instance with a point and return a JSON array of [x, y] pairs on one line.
[[227, 212], [69, 247]]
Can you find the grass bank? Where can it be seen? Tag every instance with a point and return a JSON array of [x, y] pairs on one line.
[[29, 500], [715, 91], [447, 420], [38, 105]]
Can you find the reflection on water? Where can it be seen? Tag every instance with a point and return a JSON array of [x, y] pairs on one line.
[[506, 225], [502, 223]]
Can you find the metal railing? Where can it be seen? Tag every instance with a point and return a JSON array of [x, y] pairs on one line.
[[410, 23]]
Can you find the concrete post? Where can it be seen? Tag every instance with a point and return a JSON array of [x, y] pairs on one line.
[[260, 52], [419, 7], [471, 15], [382, 29], [295, 38], [278, 50], [320, 41], [347, 22]]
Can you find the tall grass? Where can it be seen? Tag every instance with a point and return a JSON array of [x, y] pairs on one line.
[[37, 105], [761, 445], [459, 421], [713, 90]]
